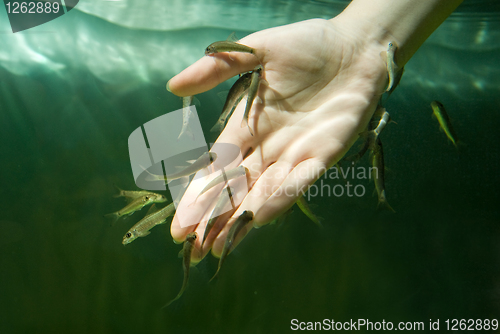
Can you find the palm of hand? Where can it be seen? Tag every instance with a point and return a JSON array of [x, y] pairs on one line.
[[321, 91]]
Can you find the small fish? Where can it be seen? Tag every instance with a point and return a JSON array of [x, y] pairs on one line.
[[205, 160], [187, 249], [304, 207], [234, 97], [224, 177], [133, 194], [252, 93], [135, 205], [370, 137], [392, 68], [141, 229], [221, 203], [385, 118], [186, 115], [241, 221], [444, 121], [229, 45], [377, 160], [361, 152]]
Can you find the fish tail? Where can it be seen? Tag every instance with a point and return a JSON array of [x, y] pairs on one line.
[[170, 302], [319, 221], [120, 191], [259, 54], [186, 131], [215, 275], [383, 204], [114, 216], [244, 123]]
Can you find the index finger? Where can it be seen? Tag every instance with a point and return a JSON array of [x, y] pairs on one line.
[[210, 71]]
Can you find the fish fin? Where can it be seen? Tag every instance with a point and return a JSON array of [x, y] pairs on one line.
[[384, 205], [162, 221], [152, 209], [196, 102], [222, 95], [145, 233], [232, 37], [120, 191]]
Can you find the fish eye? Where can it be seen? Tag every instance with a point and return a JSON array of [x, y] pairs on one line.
[[128, 235]]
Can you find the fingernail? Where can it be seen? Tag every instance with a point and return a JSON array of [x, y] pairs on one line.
[[176, 242], [168, 88], [256, 226]]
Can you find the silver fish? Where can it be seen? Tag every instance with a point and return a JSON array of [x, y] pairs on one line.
[[392, 68], [135, 205], [224, 177], [370, 137], [377, 160], [221, 203], [133, 194], [187, 249], [252, 93], [205, 160], [246, 217], [229, 45], [186, 115], [141, 229], [444, 121], [234, 97]]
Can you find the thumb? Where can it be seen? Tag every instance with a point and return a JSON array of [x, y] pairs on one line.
[[210, 71]]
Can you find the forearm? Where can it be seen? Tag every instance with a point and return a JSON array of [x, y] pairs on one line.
[[407, 22]]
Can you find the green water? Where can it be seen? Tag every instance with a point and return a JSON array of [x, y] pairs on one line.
[[64, 269]]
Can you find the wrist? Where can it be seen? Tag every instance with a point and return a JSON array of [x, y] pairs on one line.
[[407, 23]]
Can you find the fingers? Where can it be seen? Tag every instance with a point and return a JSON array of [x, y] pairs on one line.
[[276, 190], [210, 71], [260, 192]]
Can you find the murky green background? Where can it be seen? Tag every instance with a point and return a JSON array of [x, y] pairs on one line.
[[63, 268]]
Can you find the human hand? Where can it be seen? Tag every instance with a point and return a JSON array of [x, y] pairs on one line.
[[324, 78]]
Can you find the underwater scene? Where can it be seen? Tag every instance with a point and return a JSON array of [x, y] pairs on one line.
[[74, 89]]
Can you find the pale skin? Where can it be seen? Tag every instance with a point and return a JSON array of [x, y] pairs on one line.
[[324, 80]]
